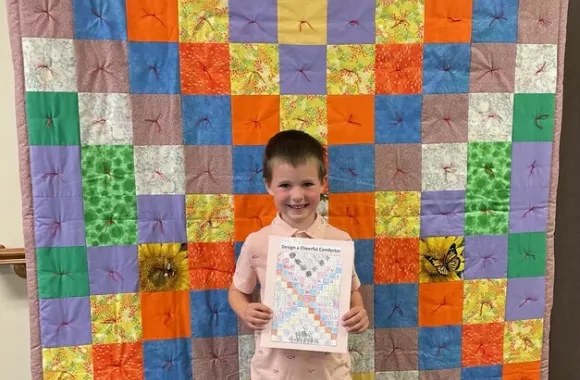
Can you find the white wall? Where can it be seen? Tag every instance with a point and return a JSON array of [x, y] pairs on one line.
[[14, 330]]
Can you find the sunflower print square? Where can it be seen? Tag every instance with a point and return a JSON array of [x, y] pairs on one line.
[[116, 318], [350, 69], [254, 69], [162, 267], [441, 259], [306, 113], [210, 218], [484, 301], [400, 21], [523, 341], [397, 213], [203, 21], [62, 363]]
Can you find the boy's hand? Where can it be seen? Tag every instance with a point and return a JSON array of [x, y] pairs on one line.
[[356, 320], [257, 315]]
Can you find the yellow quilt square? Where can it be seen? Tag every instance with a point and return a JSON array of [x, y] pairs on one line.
[[210, 218], [302, 22], [523, 341], [203, 21], [61, 363], [116, 318], [306, 113], [484, 300], [350, 69], [254, 69], [397, 213]]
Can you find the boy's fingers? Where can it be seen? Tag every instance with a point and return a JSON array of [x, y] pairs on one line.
[[349, 314], [263, 308], [260, 315]]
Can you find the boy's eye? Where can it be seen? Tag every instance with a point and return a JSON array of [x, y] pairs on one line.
[[308, 184], [284, 185]]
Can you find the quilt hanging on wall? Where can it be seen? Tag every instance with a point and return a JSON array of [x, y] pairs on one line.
[[141, 125]]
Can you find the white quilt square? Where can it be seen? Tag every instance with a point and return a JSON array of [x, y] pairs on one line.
[[444, 166], [49, 64], [536, 68], [490, 117], [105, 119], [159, 169]]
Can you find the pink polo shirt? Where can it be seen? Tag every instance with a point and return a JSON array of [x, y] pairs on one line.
[[279, 364]]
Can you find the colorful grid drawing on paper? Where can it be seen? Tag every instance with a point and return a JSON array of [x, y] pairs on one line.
[[141, 125]]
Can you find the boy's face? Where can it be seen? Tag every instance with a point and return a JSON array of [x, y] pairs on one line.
[[296, 191]]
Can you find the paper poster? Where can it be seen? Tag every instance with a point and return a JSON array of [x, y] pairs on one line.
[[308, 286]]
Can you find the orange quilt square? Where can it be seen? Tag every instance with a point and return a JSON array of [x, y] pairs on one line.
[[152, 21], [351, 119], [399, 69], [482, 344], [396, 260], [211, 265], [440, 303], [255, 118], [518, 371], [251, 213], [353, 213], [448, 21], [165, 315], [118, 361], [205, 68]]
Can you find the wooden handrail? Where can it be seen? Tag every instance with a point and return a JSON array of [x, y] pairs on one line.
[[14, 257]]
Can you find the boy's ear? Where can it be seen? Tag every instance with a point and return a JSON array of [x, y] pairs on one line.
[[268, 188], [324, 181]]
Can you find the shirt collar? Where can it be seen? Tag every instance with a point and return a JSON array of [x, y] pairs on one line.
[[316, 230]]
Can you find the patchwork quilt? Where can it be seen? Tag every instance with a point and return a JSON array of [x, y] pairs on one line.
[[141, 125]]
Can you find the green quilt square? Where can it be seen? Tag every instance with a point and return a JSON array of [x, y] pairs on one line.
[[108, 170], [527, 255], [52, 118], [62, 272], [489, 171], [534, 117], [111, 220], [487, 217]]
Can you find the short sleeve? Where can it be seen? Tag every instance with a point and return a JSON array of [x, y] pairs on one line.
[[245, 277]]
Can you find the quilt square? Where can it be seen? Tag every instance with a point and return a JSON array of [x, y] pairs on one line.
[[434, 250], [526, 255], [538, 23], [525, 298], [398, 69], [487, 216], [396, 260], [303, 69], [439, 347], [52, 118], [301, 22], [490, 117], [534, 117], [65, 322], [351, 23], [448, 21], [110, 220], [100, 20], [150, 20], [440, 303], [123, 361], [350, 69], [529, 210], [113, 269], [206, 351], [307, 113], [482, 373], [447, 374], [105, 119], [354, 213], [484, 301], [68, 361], [104, 73], [49, 64], [211, 265], [165, 315], [255, 119], [154, 68], [213, 316], [362, 351], [251, 212], [400, 168], [397, 375], [444, 118], [201, 21], [248, 170], [203, 162], [397, 119], [156, 119], [368, 295], [207, 120], [442, 213], [159, 169], [62, 272], [115, 318], [246, 350], [161, 218], [167, 359], [396, 350], [204, 68], [523, 341], [531, 165], [482, 345], [400, 21], [489, 171], [209, 218], [254, 69], [493, 67], [446, 68], [55, 171], [495, 21], [43, 20], [536, 68], [58, 221], [444, 167], [350, 119], [363, 260], [253, 22], [351, 168], [162, 267], [514, 371], [486, 257], [396, 305], [397, 213]]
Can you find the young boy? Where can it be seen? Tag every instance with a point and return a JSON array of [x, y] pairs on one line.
[[295, 176]]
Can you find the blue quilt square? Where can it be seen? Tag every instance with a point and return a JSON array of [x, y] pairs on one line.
[[439, 347], [303, 69], [207, 120], [247, 165], [213, 316], [100, 19], [364, 260], [154, 68], [238, 249], [482, 373], [446, 68], [351, 168], [396, 305], [167, 359], [398, 119], [495, 21]]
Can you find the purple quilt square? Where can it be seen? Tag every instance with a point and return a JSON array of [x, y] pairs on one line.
[[531, 163], [538, 22], [208, 169], [398, 167], [485, 257], [442, 213], [65, 322], [525, 298], [443, 374], [113, 269], [444, 118], [351, 22], [493, 68], [46, 19], [156, 119], [253, 21], [303, 69], [529, 210], [161, 218], [59, 221], [55, 171], [102, 66]]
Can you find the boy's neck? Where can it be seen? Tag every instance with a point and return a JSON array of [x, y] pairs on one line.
[[303, 226]]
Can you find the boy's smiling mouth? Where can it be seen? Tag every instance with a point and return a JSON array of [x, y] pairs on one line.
[[298, 207]]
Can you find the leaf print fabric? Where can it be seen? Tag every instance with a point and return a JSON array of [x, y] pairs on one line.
[[400, 21], [116, 318], [523, 341], [107, 170], [203, 21], [306, 113], [67, 363], [350, 69], [397, 213], [254, 69], [485, 301], [209, 218]]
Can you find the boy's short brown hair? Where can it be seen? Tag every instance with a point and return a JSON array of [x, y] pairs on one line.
[[294, 147]]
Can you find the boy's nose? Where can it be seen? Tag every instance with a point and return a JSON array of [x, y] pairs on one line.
[[297, 194]]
